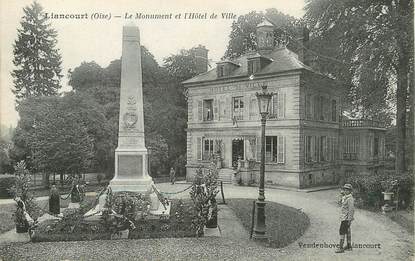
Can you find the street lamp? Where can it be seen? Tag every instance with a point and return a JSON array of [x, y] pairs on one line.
[[264, 99]]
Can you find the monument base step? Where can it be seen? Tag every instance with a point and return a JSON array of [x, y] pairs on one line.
[[143, 186]]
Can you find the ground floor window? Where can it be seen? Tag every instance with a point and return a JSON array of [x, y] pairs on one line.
[[319, 148], [351, 146], [275, 149], [207, 152]]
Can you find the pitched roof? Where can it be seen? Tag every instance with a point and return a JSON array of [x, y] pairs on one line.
[[282, 60], [266, 22]]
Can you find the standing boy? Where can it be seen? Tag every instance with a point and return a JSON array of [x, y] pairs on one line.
[[346, 217]]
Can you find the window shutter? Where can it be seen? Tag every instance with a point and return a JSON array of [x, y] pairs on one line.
[[253, 143], [215, 109], [200, 110], [305, 148], [281, 149], [305, 106], [229, 102], [329, 148], [199, 148], [251, 107], [258, 149], [274, 104], [325, 148], [281, 105], [246, 100], [327, 109]]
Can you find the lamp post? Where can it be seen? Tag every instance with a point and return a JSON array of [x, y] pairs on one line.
[[264, 99]]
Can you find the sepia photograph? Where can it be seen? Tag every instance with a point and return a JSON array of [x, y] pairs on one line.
[[207, 130]]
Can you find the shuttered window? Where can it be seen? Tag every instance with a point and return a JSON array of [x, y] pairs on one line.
[[275, 149], [238, 108]]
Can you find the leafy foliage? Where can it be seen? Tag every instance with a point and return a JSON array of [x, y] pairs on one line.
[[369, 46], [23, 196], [203, 193], [36, 57], [6, 182], [5, 161], [368, 189]]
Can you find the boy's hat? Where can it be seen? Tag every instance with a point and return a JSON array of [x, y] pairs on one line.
[[348, 186]]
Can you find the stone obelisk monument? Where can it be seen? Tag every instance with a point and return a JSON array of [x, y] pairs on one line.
[[131, 170]]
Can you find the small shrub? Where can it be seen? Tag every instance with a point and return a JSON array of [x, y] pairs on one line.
[[203, 193], [6, 182], [20, 189]]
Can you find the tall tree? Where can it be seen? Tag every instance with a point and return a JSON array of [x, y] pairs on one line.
[[374, 44], [60, 134], [36, 57]]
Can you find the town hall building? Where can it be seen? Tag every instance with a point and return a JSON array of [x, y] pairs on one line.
[[308, 140]]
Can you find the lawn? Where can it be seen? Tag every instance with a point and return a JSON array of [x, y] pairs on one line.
[[7, 210], [6, 217], [284, 224]]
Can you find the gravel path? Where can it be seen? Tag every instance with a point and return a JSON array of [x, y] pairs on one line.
[[368, 228]]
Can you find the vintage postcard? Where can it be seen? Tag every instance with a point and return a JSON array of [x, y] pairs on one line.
[[206, 130]]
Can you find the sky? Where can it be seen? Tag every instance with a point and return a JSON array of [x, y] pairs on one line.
[[99, 40]]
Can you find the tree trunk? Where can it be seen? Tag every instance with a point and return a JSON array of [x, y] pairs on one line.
[[61, 179], [401, 100], [46, 180], [411, 121], [404, 42]]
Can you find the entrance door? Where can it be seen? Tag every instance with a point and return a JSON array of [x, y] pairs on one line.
[[237, 151]]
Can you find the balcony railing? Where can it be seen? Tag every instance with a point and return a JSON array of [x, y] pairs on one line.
[[363, 123], [350, 156]]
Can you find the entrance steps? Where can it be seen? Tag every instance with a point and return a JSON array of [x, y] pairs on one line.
[[225, 175]]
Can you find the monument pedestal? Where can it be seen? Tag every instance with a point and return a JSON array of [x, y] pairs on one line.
[[131, 174]]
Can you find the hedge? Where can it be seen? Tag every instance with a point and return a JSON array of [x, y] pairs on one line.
[[6, 182], [368, 189]]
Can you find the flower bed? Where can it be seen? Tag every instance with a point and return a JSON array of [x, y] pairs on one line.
[[75, 228]]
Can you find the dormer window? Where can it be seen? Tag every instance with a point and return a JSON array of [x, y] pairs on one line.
[[257, 63], [225, 68], [254, 66]]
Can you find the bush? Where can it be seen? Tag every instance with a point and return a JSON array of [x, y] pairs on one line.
[[6, 182], [203, 193], [368, 189]]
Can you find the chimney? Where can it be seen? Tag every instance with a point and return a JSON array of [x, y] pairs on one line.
[[201, 54], [302, 44]]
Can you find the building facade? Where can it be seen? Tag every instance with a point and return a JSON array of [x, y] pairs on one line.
[[308, 142]]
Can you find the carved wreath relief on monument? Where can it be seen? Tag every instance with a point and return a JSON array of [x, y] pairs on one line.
[[130, 119], [131, 100]]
